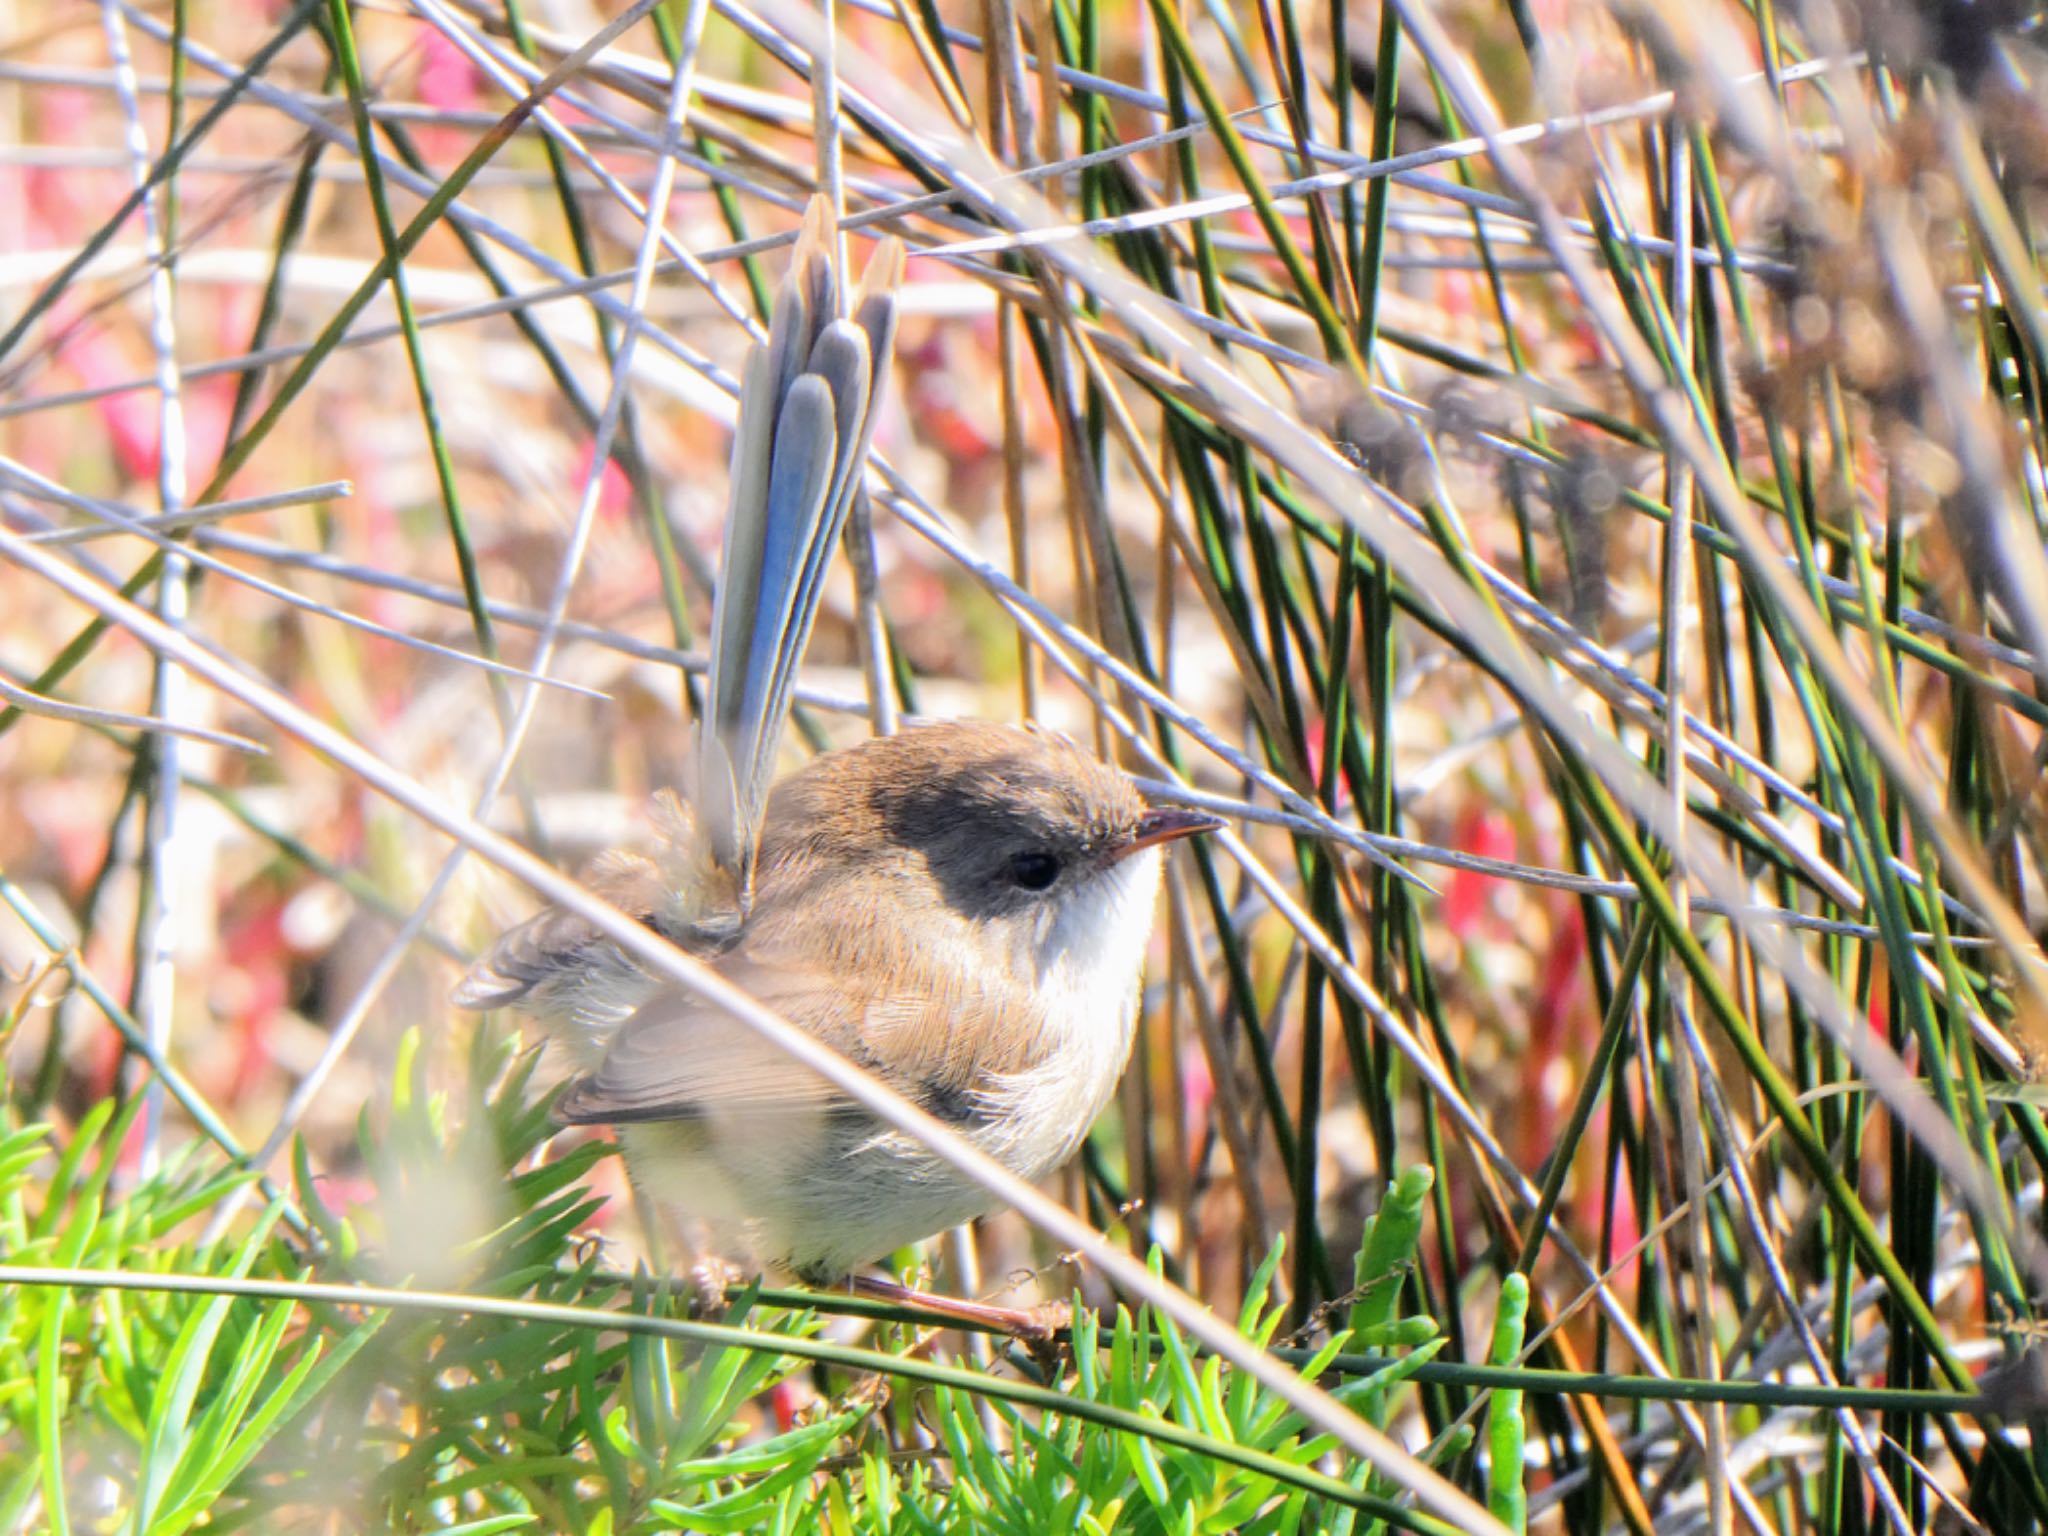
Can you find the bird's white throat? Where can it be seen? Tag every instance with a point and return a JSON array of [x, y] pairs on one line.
[[1088, 957], [1096, 941]]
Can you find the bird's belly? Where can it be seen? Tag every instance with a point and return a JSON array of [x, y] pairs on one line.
[[824, 1193], [889, 1189], [819, 1199]]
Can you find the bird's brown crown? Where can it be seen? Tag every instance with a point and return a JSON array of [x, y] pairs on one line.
[[968, 805]]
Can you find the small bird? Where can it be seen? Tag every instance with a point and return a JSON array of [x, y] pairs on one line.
[[961, 908]]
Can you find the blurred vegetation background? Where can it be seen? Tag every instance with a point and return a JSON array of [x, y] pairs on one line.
[[1567, 478]]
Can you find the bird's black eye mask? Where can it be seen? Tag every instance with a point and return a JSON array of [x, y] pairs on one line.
[[997, 843]]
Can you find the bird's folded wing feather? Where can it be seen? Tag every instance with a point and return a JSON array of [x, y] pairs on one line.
[[681, 1058], [554, 942]]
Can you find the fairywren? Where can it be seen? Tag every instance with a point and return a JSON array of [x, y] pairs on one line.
[[961, 908]]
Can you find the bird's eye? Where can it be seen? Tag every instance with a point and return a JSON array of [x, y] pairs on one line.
[[1034, 871]]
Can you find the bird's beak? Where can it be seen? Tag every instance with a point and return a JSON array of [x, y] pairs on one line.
[[1165, 824]]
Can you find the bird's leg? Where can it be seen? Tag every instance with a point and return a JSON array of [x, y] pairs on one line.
[[1035, 1326]]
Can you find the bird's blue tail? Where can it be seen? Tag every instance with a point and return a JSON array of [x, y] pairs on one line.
[[807, 410]]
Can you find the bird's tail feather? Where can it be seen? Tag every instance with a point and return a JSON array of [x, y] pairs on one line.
[[807, 412]]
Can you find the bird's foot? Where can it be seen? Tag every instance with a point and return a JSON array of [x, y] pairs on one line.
[[711, 1281]]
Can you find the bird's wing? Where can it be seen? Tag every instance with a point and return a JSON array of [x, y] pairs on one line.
[[557, 962], [555, 943], [681, 1058]]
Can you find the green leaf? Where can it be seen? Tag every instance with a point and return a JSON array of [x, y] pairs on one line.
[[1506, 1483]]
